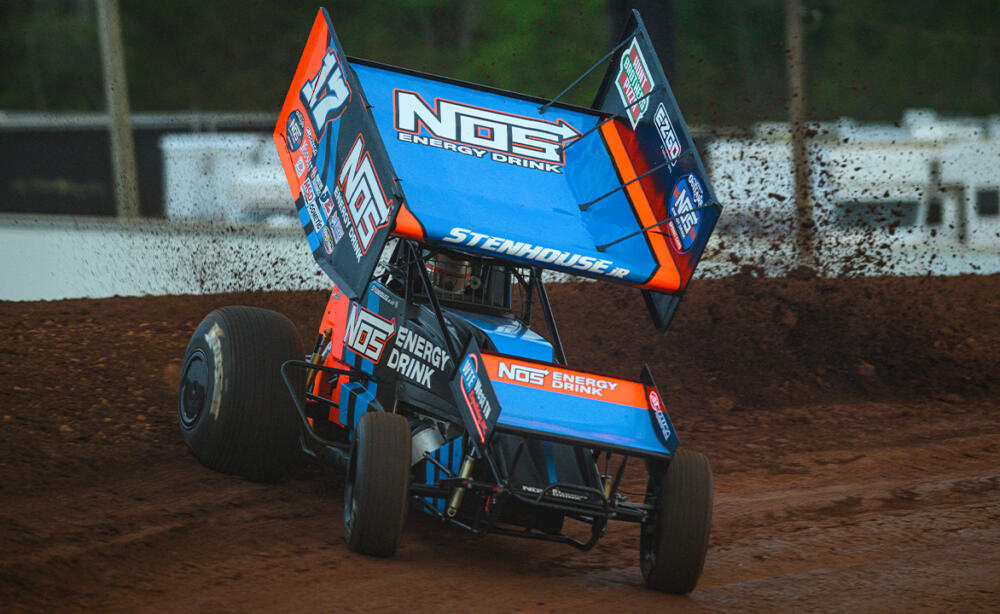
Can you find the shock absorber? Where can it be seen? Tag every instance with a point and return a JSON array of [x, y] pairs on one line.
[[314, 358], [459, 492]]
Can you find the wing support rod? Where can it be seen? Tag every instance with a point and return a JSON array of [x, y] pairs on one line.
[[544, 107], [618, 115], [586, 205], [605, 246]]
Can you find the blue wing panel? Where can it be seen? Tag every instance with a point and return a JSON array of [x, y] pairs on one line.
[[458, 174], [579, 418]]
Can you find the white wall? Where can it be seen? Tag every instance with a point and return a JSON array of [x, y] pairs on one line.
[[56, 258]]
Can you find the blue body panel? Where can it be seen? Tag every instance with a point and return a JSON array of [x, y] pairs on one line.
[[449, 455], [447, 189], [580, 419], [365, 394], [510, 336]]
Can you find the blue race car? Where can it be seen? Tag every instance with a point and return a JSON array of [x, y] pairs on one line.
[[437, 208]]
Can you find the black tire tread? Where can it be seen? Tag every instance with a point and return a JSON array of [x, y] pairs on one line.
[[683, 524], [257, 430], [381, 475]]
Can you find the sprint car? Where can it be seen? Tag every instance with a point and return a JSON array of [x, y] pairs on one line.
[[438, 209]]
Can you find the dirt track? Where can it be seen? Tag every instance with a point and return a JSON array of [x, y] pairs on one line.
[[853, 426]]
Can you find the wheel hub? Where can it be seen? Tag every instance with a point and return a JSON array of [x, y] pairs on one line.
[[194, 388]]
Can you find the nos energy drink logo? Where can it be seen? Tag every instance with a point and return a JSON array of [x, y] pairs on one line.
[[686, 199]]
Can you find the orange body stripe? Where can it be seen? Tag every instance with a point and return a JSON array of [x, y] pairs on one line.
[[570, 381], [310, 62], [407, 225], [666, 278], [334, 320]]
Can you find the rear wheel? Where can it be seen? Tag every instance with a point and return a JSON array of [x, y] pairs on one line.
[[674, 540], [378, 481], [236, 414]]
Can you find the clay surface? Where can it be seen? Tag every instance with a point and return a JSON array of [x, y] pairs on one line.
[[853, 426]]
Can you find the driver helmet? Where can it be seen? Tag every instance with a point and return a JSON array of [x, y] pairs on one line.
[[450, 275]]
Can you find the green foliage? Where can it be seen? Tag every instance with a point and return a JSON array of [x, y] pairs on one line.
[[877, 57], [48, 58], [865, 60]]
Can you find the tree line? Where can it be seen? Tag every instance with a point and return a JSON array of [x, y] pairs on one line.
[[866, 60]]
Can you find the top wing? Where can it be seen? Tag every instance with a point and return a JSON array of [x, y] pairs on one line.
[[617, 192]]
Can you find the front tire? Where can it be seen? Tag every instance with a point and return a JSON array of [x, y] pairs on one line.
[[236, 414], [674, 540], [378, 482]]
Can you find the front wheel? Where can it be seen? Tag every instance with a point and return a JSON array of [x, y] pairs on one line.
[[378, 482], [674, 540]]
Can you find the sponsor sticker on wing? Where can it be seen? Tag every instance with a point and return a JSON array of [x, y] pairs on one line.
[[328, 242], [309, 195], [671, 148], [362, 197], [633, 82], [293, 130], [336, 228], [686, 199], [517, 140], [566, 381]]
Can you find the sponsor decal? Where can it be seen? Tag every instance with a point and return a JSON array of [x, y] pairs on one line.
[[416, 357], [587, 385], [328, 242], [326, 94], [312, 140], [654, 400], [214, 339], [300, 166], [685, 200], [307, 191], [471, 387], [659, 413], [309, 195], [555, 492], [522, 373], [293, 130], [336, 229], [367, 332], [385, 296], [536, 253], [360, 194], [469, 130], [668, 136], [592, 386], [634, 81], [325, 200], [312, 147]]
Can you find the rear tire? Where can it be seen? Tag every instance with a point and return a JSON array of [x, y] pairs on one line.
[[378, 482], [674, 540], [236, 414]]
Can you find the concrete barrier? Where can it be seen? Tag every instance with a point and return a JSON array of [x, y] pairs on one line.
[[57, 258]]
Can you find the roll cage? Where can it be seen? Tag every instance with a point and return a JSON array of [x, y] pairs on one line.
[[506, 288]]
